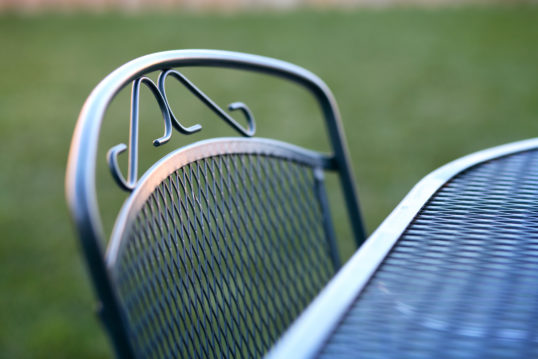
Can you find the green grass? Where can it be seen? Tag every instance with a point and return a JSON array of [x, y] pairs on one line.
[[416, 88]]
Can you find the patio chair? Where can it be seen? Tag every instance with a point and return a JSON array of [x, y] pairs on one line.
[[220, 244]]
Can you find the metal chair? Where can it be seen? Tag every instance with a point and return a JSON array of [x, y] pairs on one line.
[[221, 244]]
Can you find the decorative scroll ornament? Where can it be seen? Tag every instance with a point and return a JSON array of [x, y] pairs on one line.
[[170, 121]]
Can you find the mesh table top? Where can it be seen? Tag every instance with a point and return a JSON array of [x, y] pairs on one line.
[[462, 280]]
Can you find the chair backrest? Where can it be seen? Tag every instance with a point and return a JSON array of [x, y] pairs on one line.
[[220, 244]]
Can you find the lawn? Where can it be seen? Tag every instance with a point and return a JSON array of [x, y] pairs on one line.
[[416, 88]]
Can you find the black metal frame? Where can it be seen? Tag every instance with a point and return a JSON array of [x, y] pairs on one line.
[[80, 177]]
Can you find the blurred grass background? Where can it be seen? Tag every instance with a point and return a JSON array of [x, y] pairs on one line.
[[416, 88]]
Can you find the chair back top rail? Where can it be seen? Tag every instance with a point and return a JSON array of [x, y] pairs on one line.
[[80, 177], [308, 334]]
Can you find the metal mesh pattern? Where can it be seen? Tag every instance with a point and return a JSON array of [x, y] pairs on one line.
[[462, 281], [224, 254]]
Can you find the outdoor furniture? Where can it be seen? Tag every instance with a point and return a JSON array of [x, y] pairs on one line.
[[222, 243], [451, 273]]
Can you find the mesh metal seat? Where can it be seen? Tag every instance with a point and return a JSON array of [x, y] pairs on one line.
[[221, 244], [451, 273]]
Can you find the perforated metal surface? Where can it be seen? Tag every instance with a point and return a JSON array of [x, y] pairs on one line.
[[462, 281], [224, 254]]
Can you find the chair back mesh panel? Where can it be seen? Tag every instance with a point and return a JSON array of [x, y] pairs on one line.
[[222, 256]]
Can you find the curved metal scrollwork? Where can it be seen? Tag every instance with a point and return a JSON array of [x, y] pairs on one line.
[[170, 121]]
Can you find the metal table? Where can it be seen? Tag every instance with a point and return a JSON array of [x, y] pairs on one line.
[[451, 273]]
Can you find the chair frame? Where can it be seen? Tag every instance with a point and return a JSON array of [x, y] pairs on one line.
[[81, 167]]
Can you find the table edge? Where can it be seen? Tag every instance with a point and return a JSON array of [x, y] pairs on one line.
[[310, 330]]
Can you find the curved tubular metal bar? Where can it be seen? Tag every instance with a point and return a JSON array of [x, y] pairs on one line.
[[169, 119], [251, 125], [81, 165], [310, 331], [112, 155], [172, 119]]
